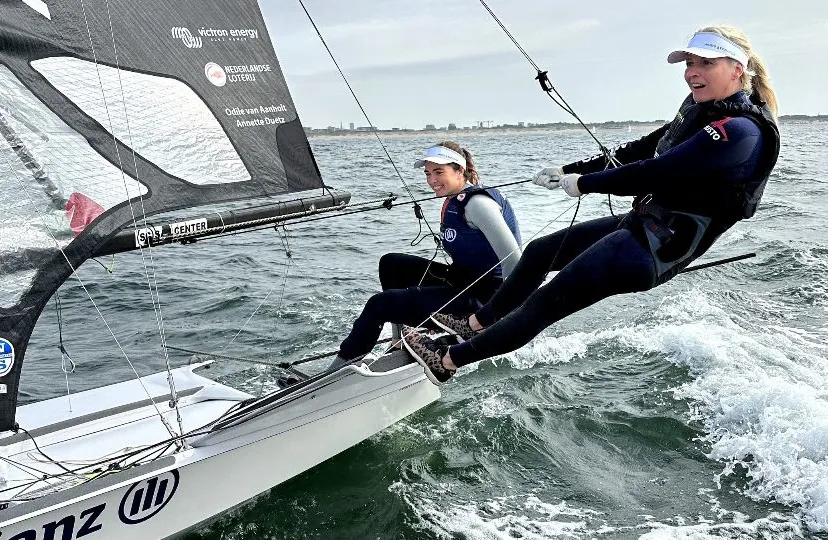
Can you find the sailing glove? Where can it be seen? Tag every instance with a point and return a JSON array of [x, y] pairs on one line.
[[549, 177], [569, 183]]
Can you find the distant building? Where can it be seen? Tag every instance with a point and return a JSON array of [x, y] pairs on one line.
[[366, 128], [521, 124], [452, 127], [430, 127], [351, 126]]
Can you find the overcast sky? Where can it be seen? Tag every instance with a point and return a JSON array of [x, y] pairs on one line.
[[417, 62]]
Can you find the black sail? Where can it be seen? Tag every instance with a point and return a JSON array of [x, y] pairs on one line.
[[113, 110]]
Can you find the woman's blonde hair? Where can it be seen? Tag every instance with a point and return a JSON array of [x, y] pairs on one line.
[[756, 77], [471, 172]]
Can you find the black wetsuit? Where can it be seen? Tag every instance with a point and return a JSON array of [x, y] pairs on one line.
[[414, 288], [710, 167]]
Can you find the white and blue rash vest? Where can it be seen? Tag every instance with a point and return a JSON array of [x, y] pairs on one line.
[[468, 247]]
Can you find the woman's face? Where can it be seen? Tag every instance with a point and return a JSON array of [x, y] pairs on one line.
[[712, 78], [443, 179]]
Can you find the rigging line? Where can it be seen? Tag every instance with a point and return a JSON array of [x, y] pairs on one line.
[[549, 88], [94, 304], [249, 318], [496, 186], [288, 264], [111, 461], [25, 469], [534, 65], [258, 307], [64, 354], [267, 223], [34, 442], [544, 81], [470, 285], [300, 220], [153, 282], [361, 108], [156, 301]]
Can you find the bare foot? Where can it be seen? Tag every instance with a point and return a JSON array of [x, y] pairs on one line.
[[474, 323], [447, 363]]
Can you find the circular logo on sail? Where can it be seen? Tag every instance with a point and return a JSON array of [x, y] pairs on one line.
[[215, 74], [449, 235], [6, 356], [147, 497], [183, 33]]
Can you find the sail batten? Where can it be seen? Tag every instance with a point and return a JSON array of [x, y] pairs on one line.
[[121, 110]]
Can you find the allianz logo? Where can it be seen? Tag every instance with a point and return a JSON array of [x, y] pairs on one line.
[[146, 498], [189, 40]]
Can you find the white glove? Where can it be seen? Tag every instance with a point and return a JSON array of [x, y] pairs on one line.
[[569, 183], [548, 177]]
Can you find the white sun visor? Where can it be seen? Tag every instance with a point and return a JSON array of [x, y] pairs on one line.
[[441, 155], [709, 45]]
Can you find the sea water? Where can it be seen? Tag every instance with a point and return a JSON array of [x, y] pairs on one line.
[[697, 410]]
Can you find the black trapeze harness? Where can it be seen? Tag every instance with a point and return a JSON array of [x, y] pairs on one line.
[[679, 231]]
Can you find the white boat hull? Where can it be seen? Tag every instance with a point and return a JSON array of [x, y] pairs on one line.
[[220, 470]]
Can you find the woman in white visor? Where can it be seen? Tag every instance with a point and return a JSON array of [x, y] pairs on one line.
[[692, 179], [479, 232]]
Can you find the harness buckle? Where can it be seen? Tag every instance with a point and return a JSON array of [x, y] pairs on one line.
[[642, 207]]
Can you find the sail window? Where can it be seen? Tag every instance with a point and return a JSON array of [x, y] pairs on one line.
[[161, 118], [44, 164]]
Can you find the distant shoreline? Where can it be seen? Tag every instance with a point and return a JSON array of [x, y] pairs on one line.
[[512, 128], [481, 130]]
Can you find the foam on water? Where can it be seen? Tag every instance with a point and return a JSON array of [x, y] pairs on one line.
[[760, 393], [774, 527], [506, 518]]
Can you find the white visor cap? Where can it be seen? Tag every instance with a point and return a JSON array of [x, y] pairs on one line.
[[710, 45], [441, 155]]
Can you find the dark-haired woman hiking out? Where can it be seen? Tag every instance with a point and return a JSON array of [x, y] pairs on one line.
[[479, 232]]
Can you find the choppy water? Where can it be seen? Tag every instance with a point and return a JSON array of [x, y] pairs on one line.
[[696, 410]]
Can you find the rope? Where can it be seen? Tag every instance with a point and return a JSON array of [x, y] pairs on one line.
[[152, 283], [67, 365], [418, 212], [550, 90], [364, 113]]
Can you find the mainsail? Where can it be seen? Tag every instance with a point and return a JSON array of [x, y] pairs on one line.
[[112, 110]]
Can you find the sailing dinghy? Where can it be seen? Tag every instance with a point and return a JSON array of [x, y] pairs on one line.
[[111, 111]]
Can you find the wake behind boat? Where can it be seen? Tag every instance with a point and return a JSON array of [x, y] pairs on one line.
[[111, 112]]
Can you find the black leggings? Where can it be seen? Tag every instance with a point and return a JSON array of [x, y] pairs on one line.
[[595, 260], [405, 301]]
